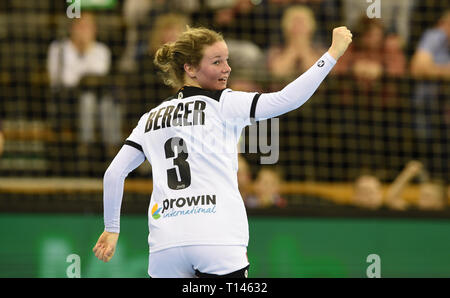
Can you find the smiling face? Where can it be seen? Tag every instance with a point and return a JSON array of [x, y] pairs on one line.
[[213, 71]]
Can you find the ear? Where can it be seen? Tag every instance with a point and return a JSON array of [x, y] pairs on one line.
[[190, 70]]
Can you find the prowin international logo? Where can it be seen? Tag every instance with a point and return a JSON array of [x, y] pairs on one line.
[[198, 204]]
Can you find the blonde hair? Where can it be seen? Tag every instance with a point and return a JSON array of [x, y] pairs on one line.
[[187, 49], [295, 10]]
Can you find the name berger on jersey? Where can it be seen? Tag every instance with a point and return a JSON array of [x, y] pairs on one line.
[[183, 114], [194, 201]]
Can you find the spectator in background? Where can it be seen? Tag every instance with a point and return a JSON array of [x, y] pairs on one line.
[[266, 190], [396, 15], [430, 65], [81, 64], [299, 51], [431, 194], [394, 199], [134, 14], [139, 18], [255, 21], [327, 14], [372, 54], [246, 64], [368, 193], [166, 29], [79, 55], [424, 14], [372, 68], [432, 57]]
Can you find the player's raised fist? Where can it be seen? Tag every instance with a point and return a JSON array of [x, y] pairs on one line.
[[342, 37]]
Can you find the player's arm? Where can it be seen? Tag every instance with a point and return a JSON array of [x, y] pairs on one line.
[[128, 159], [296, 93]]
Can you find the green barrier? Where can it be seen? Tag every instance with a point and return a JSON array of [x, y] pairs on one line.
[[93, 4], [38, 245]]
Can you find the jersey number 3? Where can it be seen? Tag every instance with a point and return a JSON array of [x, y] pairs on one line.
[[179, 161]]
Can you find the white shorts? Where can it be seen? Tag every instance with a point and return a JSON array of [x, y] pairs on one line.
[[183, 261]]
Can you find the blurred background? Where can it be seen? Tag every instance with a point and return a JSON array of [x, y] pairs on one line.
[[363, 166]]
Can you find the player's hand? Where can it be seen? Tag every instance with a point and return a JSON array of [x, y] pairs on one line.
[[342, 37], [106, 246]]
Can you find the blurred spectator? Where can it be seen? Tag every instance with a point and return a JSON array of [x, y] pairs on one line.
[[254, 21], [71, 59], [134, 14], [327, 15], [368, 193], [424, 15], [81, 64], [432, 57], [431, 195], [298, 52], [395, 15], [149, 87], [266, 189], [431, 66], [245, 62], [227, 12], [372, 54], [394, 199], [166, 29], [244, 177]]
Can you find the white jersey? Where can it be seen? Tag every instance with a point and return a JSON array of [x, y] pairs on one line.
[[191, 142]]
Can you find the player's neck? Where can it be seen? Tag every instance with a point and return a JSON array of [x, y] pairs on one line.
[[191, 83]]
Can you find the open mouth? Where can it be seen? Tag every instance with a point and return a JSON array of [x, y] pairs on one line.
[[223, 79]]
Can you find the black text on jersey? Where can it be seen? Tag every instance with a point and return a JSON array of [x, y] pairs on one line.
[[183, 114]]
